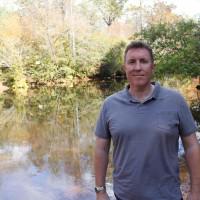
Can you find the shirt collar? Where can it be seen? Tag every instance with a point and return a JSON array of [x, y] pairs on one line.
[[155, 94]]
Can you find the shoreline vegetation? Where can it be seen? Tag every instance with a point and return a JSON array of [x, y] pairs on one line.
[[60, 43], [187, 85]]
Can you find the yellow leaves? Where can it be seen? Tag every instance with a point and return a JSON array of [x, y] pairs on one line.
[[187, 87], [190, 89], [10, 27], [38, 62]]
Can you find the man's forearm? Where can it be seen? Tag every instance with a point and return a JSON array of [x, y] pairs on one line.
[[101, 160], [101, 164], [193, 162]]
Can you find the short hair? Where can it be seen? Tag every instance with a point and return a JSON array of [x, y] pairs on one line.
[[138, 45]]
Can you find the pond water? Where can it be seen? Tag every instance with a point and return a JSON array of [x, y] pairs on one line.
[[47, 140]]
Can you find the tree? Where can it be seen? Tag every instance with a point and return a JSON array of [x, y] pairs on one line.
[[141, 16], [89, 13], [135, 16], [113, 61], [161, 12], [176, 47], [110, 9]]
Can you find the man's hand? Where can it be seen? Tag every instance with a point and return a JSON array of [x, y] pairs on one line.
[[102, 196], [193, 196]]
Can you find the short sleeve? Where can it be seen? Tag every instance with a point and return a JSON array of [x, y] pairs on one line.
[[187, 124], [102, 127]]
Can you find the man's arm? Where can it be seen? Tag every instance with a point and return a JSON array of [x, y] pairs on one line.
[[192, 155], [101, 159]]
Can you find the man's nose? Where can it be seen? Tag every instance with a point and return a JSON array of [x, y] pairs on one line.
[[137, 65]]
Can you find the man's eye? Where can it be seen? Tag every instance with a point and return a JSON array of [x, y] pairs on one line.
[[143, 61], [131, 61]]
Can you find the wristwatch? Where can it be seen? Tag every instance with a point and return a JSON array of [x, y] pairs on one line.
[[99, 189]]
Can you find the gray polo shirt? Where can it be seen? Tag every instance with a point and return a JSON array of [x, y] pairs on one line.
[[145, 140]]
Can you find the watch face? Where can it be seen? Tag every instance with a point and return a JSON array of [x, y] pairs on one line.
[[99, 189]]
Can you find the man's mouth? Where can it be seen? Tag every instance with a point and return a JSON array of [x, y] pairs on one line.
[[137, 75]]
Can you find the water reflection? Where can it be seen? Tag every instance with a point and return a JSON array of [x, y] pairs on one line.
[[46, 142], [31, 184]]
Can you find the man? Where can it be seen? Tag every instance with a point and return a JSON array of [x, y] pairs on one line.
[[144, 122]]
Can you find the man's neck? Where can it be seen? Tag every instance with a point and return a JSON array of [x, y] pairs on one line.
[[141, 93]]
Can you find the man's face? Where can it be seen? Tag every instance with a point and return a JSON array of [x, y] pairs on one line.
[[138, 67]]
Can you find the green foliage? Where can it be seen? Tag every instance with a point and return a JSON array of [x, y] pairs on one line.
[[176, 47], [41, 68], [16, 79], [110, 9], [19, 86], [52, 52], [113, 61], [90, 51]]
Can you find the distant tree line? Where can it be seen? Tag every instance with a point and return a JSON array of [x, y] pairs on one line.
[[53, 42]]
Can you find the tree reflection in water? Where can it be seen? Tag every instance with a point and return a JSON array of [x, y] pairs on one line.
[[46, 142]]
